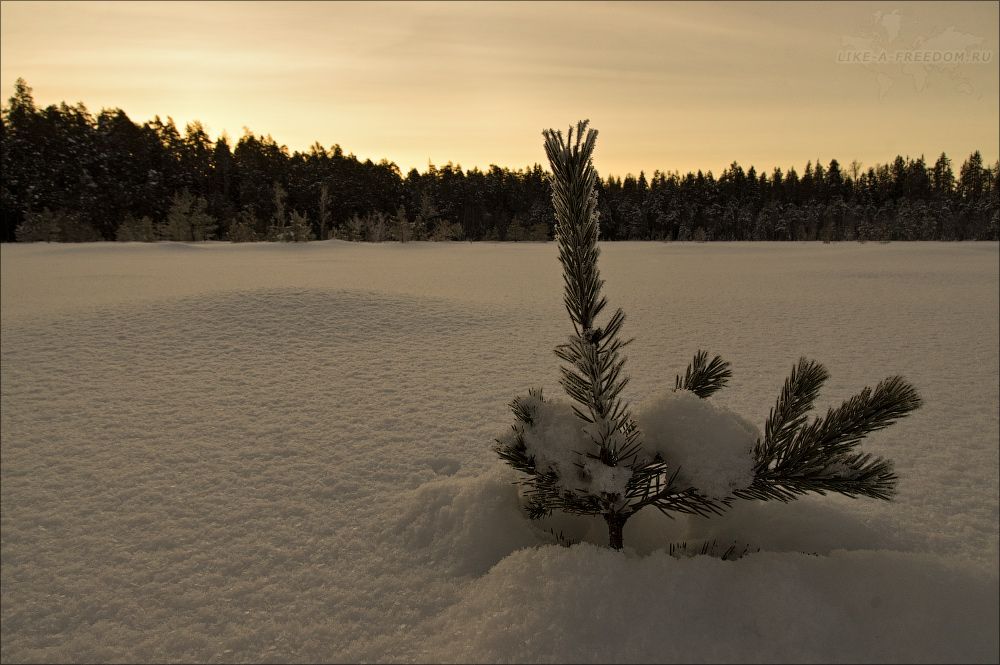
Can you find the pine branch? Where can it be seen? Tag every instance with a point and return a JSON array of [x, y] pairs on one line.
[[713, 548], [514, 451], [856, 475], [795, 458], [655, 484], [844, 427], [796, 399], [702, 377], [593, 375]]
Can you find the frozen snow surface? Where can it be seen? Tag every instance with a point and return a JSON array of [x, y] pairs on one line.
[[264, 453]]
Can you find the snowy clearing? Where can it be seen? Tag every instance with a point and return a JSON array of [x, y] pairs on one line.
[[271, 453]]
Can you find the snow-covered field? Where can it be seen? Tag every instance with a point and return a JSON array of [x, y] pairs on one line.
[[217, 453]]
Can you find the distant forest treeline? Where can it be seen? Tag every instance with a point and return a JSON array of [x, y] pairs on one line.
[[71, 176]]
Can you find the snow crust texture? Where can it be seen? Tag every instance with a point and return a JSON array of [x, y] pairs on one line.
[[260, 453]]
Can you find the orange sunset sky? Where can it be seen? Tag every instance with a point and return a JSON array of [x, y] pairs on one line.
[[670, 86]]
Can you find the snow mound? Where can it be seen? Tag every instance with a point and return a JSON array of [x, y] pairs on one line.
[[558, 439], [589, 604], [466, 524], [712, 445]]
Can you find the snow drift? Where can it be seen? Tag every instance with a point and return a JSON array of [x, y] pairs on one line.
[[220, 453]]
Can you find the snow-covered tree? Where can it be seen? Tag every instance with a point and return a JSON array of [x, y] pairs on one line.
[[55, 226], [402, 227], [276, 230], [243, 227], [298, 229], [445, 230], [43, 226], [683, 453], [136, 230], [187, 219], [324, 211]]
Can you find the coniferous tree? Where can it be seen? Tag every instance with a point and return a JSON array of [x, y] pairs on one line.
[[593, 458], [103, 170], [277, 230], [243, 227], [299, 229], [42, 226], [187, 219], [402, 228], [136, 230], [324, 211], [972, 180]]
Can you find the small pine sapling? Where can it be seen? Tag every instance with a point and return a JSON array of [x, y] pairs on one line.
[[685, 454]]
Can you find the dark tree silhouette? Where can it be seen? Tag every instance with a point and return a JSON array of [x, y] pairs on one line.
[[63, 165]]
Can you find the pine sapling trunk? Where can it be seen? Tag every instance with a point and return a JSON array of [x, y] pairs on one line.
[[616, 523]]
